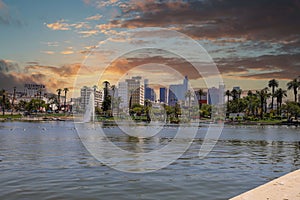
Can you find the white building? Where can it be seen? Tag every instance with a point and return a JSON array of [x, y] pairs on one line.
[[135, 90], [85, 93], [32, 89]]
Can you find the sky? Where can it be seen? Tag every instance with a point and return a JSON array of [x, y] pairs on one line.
[[71, 43]]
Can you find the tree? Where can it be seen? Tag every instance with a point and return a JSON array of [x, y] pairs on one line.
[[66, 90], [292, 108], [234, 94], [34, 105], [147, 108], [239, 93], [263, 96], [106, 104], [58, 97], [228, 94], [3, 93], [13, 100], [273, 84], [200, 93], [293, 85], [280, 94], [21, 105], [253, 103], [106, 85]]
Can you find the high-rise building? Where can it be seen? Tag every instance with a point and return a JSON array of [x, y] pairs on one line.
[[213, 96], [216, 96], [85, 93], [163, 98], [177, 92], [150, 94], [135, 90], [123, 94]]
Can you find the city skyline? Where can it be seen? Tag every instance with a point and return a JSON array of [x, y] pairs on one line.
[[250, 42]]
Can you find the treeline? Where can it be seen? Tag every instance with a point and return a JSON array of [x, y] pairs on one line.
[[255, 104]]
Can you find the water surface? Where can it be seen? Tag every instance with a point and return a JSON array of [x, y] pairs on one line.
[[49, 161]]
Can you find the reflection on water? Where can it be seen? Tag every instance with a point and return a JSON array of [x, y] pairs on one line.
[[48, 161]]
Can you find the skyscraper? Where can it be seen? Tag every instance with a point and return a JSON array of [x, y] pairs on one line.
[[177, 92], [135, 90], [163, 95], [123, 93]]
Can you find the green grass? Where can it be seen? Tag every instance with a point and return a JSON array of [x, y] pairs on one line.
[[10, 116]]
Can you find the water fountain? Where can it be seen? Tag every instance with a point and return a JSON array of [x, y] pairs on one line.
[[89, 115]]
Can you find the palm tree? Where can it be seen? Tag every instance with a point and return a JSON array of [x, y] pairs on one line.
[[66, 90], [13, 100], [280, 94], [188, 95], [106, 104], [263, 96], [106, 85], [228, 94], [234, 94], [3, 92], [293, 85], [58, 97], [273, 84], [200, 93], [250, 99]]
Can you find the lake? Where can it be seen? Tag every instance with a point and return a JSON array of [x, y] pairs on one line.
[[48, 160]]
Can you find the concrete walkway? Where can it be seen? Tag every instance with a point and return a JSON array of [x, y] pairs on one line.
[[286, 187]]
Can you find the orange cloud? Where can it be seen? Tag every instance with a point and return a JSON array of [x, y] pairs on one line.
[[59, 25], [48, 52], [67, 52]]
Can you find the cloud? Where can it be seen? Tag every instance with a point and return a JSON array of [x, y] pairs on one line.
[[88, 49], [48, 52], [262, 67], [270, 20], [154, 57], [59, 25], [63, 71], [67, 52], [94, 17], [32, 63], [51, 44], [88, 33], [7, 66], [81, 25], [102, 3]]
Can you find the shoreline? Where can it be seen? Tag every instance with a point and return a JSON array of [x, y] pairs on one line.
[[72, 118], [284, 187]]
